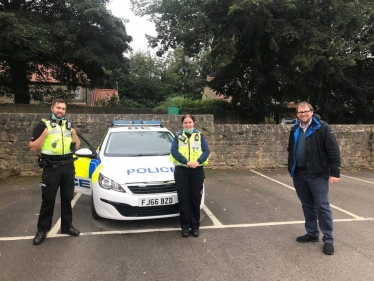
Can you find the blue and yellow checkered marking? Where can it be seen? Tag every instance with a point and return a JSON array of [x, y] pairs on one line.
[[86, 171]]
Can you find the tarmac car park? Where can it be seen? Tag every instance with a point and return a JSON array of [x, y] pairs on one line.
[[251, 220], [129, 176]]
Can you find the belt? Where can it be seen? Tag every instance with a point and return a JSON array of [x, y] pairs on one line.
[[61, 162]]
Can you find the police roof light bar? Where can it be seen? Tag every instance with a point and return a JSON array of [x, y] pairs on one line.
[[119, 123]]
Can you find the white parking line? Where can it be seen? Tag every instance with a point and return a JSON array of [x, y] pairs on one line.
[[216, 223], [214, 219], [358, 179], [265, 224], [278, 223], [290, 187], [56, 228]]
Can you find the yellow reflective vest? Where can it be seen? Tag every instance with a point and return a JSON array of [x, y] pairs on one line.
[[58, 139], [189, 148]]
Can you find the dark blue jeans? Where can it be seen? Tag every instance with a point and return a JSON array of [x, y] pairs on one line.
[[314, 197]]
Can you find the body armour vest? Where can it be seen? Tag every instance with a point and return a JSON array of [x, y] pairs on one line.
[[190, 148], [58, 139]]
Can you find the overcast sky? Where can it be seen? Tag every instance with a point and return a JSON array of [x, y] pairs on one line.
[[137, 27]]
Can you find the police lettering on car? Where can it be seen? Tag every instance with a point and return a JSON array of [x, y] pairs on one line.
[[130, 175]]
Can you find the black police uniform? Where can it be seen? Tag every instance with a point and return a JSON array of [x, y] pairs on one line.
[[58, 171]]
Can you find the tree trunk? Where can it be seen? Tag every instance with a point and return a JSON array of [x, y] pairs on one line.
[[20, 83]]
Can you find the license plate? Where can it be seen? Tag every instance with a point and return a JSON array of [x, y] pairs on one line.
[[155, 201]]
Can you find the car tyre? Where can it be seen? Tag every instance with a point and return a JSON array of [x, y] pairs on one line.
[[93, 210]]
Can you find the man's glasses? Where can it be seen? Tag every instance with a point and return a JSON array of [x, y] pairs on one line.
[[304, 112]]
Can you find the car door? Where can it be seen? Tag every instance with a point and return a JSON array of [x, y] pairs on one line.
[[85, 164]]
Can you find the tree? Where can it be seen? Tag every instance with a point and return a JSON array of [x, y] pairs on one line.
[[147, 81], [187, 73], [152, 79], [266, 53], [76, 40]]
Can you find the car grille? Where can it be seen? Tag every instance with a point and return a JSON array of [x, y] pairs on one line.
[[152, 188], [131, 211]]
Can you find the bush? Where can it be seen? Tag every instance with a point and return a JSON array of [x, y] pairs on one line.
[[209, 106]]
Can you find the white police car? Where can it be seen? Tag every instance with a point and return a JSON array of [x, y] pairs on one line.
[[130, 176]]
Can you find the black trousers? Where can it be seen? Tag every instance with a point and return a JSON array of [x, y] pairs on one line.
[[52, 178], [189, 183]]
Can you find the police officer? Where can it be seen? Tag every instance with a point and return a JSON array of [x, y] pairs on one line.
[[56, 139], [189, 153]]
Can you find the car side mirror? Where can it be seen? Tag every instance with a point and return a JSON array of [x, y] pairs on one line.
[[85, 152]]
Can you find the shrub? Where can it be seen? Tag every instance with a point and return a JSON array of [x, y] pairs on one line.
[[209, 106]]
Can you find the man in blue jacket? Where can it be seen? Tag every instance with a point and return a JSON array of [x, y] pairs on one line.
[[314, 163]]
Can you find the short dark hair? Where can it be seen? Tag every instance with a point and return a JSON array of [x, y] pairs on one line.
[[59, 100], [304, 103], [188, 116]]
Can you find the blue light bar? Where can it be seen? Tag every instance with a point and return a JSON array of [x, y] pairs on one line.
[[121, 122], [136, 122], [153, 122]]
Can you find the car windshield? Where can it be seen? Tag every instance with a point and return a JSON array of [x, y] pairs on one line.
[[145, 143]]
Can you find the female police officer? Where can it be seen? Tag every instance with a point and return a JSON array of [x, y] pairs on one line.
[[189, 153], [56, 139]]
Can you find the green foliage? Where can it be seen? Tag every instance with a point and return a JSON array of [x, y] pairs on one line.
[[172, 101], [188, 105], [145, 80], [45, 94], [186, 74], [69, 37], [267, 53], [129, 103], [152, 79]]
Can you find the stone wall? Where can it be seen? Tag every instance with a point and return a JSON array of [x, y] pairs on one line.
[[232, 146]]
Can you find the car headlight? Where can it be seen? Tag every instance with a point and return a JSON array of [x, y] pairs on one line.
[[107, 183]]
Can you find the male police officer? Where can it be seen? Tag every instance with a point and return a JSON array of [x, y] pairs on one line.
[[57, 140]]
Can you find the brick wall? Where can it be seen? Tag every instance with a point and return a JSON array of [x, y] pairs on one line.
[[244, 145]]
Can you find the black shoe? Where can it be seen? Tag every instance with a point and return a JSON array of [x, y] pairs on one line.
[[185, 233], [39, 237], [195, 232], [328, 249], [71, 231], [307, 238]]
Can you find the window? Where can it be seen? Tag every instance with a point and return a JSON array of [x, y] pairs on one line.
[[77, 93], [138, 144]]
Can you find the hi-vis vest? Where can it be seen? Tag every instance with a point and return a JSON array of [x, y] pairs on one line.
[[190, 148], [58, 139]]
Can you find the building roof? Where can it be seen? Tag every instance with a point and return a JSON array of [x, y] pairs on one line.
[[45, 78], [103, 94]]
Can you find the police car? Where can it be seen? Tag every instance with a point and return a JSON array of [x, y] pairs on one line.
[[129, 176]]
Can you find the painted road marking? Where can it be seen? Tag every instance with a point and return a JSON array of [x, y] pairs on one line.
[[290, 187], [216, 223], [213, 218], [358, 179], [265, 224], [56, 228]]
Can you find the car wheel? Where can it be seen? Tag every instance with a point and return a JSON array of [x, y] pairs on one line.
[[93, 210]]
